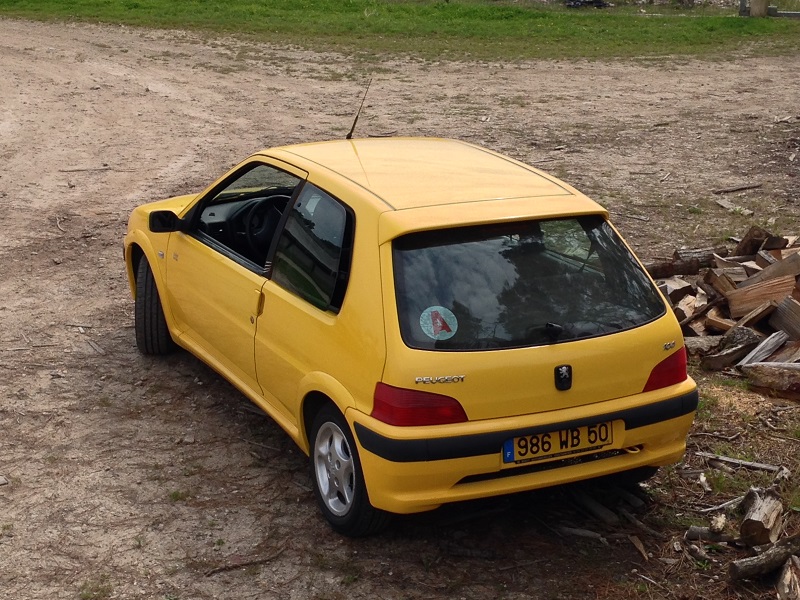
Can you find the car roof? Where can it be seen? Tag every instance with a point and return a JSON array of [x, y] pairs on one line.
[[424, 172]]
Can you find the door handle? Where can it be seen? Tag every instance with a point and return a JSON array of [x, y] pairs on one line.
[[259, 302]]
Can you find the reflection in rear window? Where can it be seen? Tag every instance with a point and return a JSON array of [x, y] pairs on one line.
[[521, 284]]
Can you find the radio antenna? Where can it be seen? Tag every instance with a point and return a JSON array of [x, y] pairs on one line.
[[353, 128]]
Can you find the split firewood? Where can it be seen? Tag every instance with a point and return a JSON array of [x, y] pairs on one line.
[[765, 349], [787, 317], [766, 562], [764, 258], [780, 378], [752, 240], [762, 522], [719, 281], [735, 345], [637, 543], [684, 310], [745, 299], [758, 314], [782, 268], [788, 585], [700, 346], [675, 289], [774, 242], [751, 267], [717, 321], [790, 353]]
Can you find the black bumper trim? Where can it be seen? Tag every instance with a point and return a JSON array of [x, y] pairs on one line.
[[479, 444]]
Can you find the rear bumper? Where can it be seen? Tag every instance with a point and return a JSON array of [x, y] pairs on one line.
[[413, 474]]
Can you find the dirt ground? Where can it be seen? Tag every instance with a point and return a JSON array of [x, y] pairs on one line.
[[134, 477]]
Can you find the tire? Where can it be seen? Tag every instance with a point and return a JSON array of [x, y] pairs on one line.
[[152, 334], [337, 478]]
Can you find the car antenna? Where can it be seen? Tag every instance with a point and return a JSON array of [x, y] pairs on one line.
[[353, 128]]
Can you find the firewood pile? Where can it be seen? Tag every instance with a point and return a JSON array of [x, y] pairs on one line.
[[740, 308]]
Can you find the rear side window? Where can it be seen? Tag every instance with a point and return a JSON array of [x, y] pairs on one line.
[[521, 284], [312, 256]]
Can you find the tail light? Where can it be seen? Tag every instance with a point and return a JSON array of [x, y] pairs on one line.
[[404, 407], [668, 372]]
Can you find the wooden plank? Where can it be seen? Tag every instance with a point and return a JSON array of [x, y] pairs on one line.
[[742, 300], [788, 266], [787, 318]]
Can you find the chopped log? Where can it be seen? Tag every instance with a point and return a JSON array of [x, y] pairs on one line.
[[758, 314], [697, 328], [662, 269], [740, 463], [675, 289], [788, 266], [697, 533], [787, 318], [700, 299], [766, 562], [790, 353], [741, 301], [762, 522], [765, 349], [716, 320], [735, 345], [751, 268], [705, 256], [752, 240], [685, 308], [719, 281], [793, 240], [700, 346], [781, 378], [709, 290], [731, 262], [788, 585], [774, 242], [765, 259]]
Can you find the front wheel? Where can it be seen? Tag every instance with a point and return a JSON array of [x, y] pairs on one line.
[[338, 482], [152, 334]]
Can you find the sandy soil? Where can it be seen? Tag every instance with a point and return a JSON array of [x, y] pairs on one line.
[[131, 477]]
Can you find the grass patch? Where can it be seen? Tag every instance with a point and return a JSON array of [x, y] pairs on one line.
[[96, 590], [491, 29]]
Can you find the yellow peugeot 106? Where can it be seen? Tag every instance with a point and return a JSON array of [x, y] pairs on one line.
[[430, 321]]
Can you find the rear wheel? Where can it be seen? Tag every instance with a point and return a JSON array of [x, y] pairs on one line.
[[152, 334], [338, 482]]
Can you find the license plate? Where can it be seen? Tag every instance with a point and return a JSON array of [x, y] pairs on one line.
[[566, 442]]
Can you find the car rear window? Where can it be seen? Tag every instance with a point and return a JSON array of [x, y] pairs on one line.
[[521, 284]]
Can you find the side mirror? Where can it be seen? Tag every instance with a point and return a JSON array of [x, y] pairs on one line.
[[165, 221]]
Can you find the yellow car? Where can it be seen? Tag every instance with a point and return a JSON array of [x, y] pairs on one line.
[[429, 321]]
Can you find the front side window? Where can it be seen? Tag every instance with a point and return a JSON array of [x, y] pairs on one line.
[[521, 284], [312, 257], [242, 217]]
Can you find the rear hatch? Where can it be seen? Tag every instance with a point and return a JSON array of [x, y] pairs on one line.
[[524, 317]]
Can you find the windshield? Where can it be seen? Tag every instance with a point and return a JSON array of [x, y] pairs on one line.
[[520, 284]]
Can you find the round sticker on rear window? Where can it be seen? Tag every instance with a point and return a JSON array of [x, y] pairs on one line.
[[438, 323]]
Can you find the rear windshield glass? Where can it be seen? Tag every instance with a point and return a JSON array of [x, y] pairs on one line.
[[520, 284]]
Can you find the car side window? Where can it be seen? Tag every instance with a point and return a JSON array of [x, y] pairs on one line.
[[242, 217], [312, 256]]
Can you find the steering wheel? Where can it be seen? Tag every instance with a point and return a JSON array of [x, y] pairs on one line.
[[261, 222]]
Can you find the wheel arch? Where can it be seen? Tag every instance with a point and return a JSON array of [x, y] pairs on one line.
[[317, 390]]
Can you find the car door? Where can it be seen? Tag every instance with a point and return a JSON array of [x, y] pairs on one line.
[[309, 272], [216, 268]]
